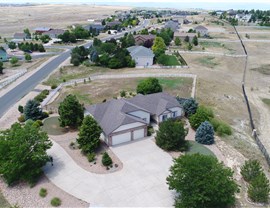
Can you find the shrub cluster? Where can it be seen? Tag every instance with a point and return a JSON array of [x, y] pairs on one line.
[[220, 127], [56, 202], [41, 96], [258, 189]]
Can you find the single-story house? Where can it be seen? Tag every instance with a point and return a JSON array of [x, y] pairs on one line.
[[97, 27], [182, 36], [113, 23], [21, 36], [141, 55], [3, 55], [173, 25], [126, 120], [141, 39], [54, 33], [202, 30], [41, 30]]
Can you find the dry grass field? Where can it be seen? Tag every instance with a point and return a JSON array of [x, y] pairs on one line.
[[15, 19]]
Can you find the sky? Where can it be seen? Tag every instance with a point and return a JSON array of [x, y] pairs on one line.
[[179, 4]]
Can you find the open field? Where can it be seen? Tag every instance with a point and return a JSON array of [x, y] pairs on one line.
[[99, 90], [15, 19]]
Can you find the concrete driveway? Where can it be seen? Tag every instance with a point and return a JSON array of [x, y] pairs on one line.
[[141, 182]]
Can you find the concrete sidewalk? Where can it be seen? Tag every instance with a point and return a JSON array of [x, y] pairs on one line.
[[141, 182]]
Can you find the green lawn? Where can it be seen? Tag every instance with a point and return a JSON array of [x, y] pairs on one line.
[[171, 60], [266, 101], [173, 83], [51, 126], [199, 148], [210, 44], [3, 201]]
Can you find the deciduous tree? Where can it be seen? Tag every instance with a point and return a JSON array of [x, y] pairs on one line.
[[23, 152], [71, 112], [201, 181], [171, 135], [149, 86]]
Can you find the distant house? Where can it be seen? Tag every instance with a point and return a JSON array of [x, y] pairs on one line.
[[141, 39], [97, 27], [113, 23], [54, 33], [21, 36], [202, 30], [173, 25], [41, 30], [243, 17], [186, 21], [126, 120], [231, 12], [141, 55], [3, 55], [182, 36]]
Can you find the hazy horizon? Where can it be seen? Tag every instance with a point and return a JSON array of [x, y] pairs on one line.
[[199, 4]]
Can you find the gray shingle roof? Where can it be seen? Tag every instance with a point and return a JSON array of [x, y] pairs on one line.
[[200, 27], [114, 113], [139, 51]]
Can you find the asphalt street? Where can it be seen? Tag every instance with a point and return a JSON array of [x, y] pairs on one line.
[[14, 95]]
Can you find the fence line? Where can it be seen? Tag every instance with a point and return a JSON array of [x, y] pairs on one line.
[[254, 132], [12, 78], [212, 53]]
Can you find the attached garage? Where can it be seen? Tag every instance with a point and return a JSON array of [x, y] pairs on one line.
[[121, 138], [138, 134]]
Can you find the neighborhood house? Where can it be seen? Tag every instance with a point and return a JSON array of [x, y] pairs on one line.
[[54, 33], [173, 25], [141, 39], [141, 55], [126, 120], [41, 30], [21, 36], [202, 30]]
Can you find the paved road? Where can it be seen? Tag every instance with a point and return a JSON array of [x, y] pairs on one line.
[[141, 182], [10, 98]]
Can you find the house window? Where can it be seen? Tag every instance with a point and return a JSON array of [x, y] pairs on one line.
[[164, 117], [144, 119], [174, 114]]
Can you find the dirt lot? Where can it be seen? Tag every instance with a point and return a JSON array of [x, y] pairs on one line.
[[15, 19]]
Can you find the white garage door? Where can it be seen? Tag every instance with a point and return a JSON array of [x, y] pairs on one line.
[[138, 134], [121, 138]]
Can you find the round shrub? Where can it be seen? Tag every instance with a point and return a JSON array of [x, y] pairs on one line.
[[106, 159], [205, 133], [202, 114], [20, 109], [55, 202], [250, 170], [91, 157], [43, 192], [38, 123], [21, 119], [54, 86]]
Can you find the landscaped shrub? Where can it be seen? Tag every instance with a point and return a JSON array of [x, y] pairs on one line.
[[91, 157], [106, 159], [123, 93], [45, 115], [205, 133], [220, 127], [53, 86], [55, 202], [39, 123], [150, 130], [258, 190], [21, 119], [190, 106], [41, 96], [43, 192], [20, 109], [250, 170], [202, 114]]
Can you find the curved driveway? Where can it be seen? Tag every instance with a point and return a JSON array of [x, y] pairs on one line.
[[141, 182]]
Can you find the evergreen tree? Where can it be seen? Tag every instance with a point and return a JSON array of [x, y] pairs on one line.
[[190, 106], [205, 133], [89, 135], [32, 110]]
